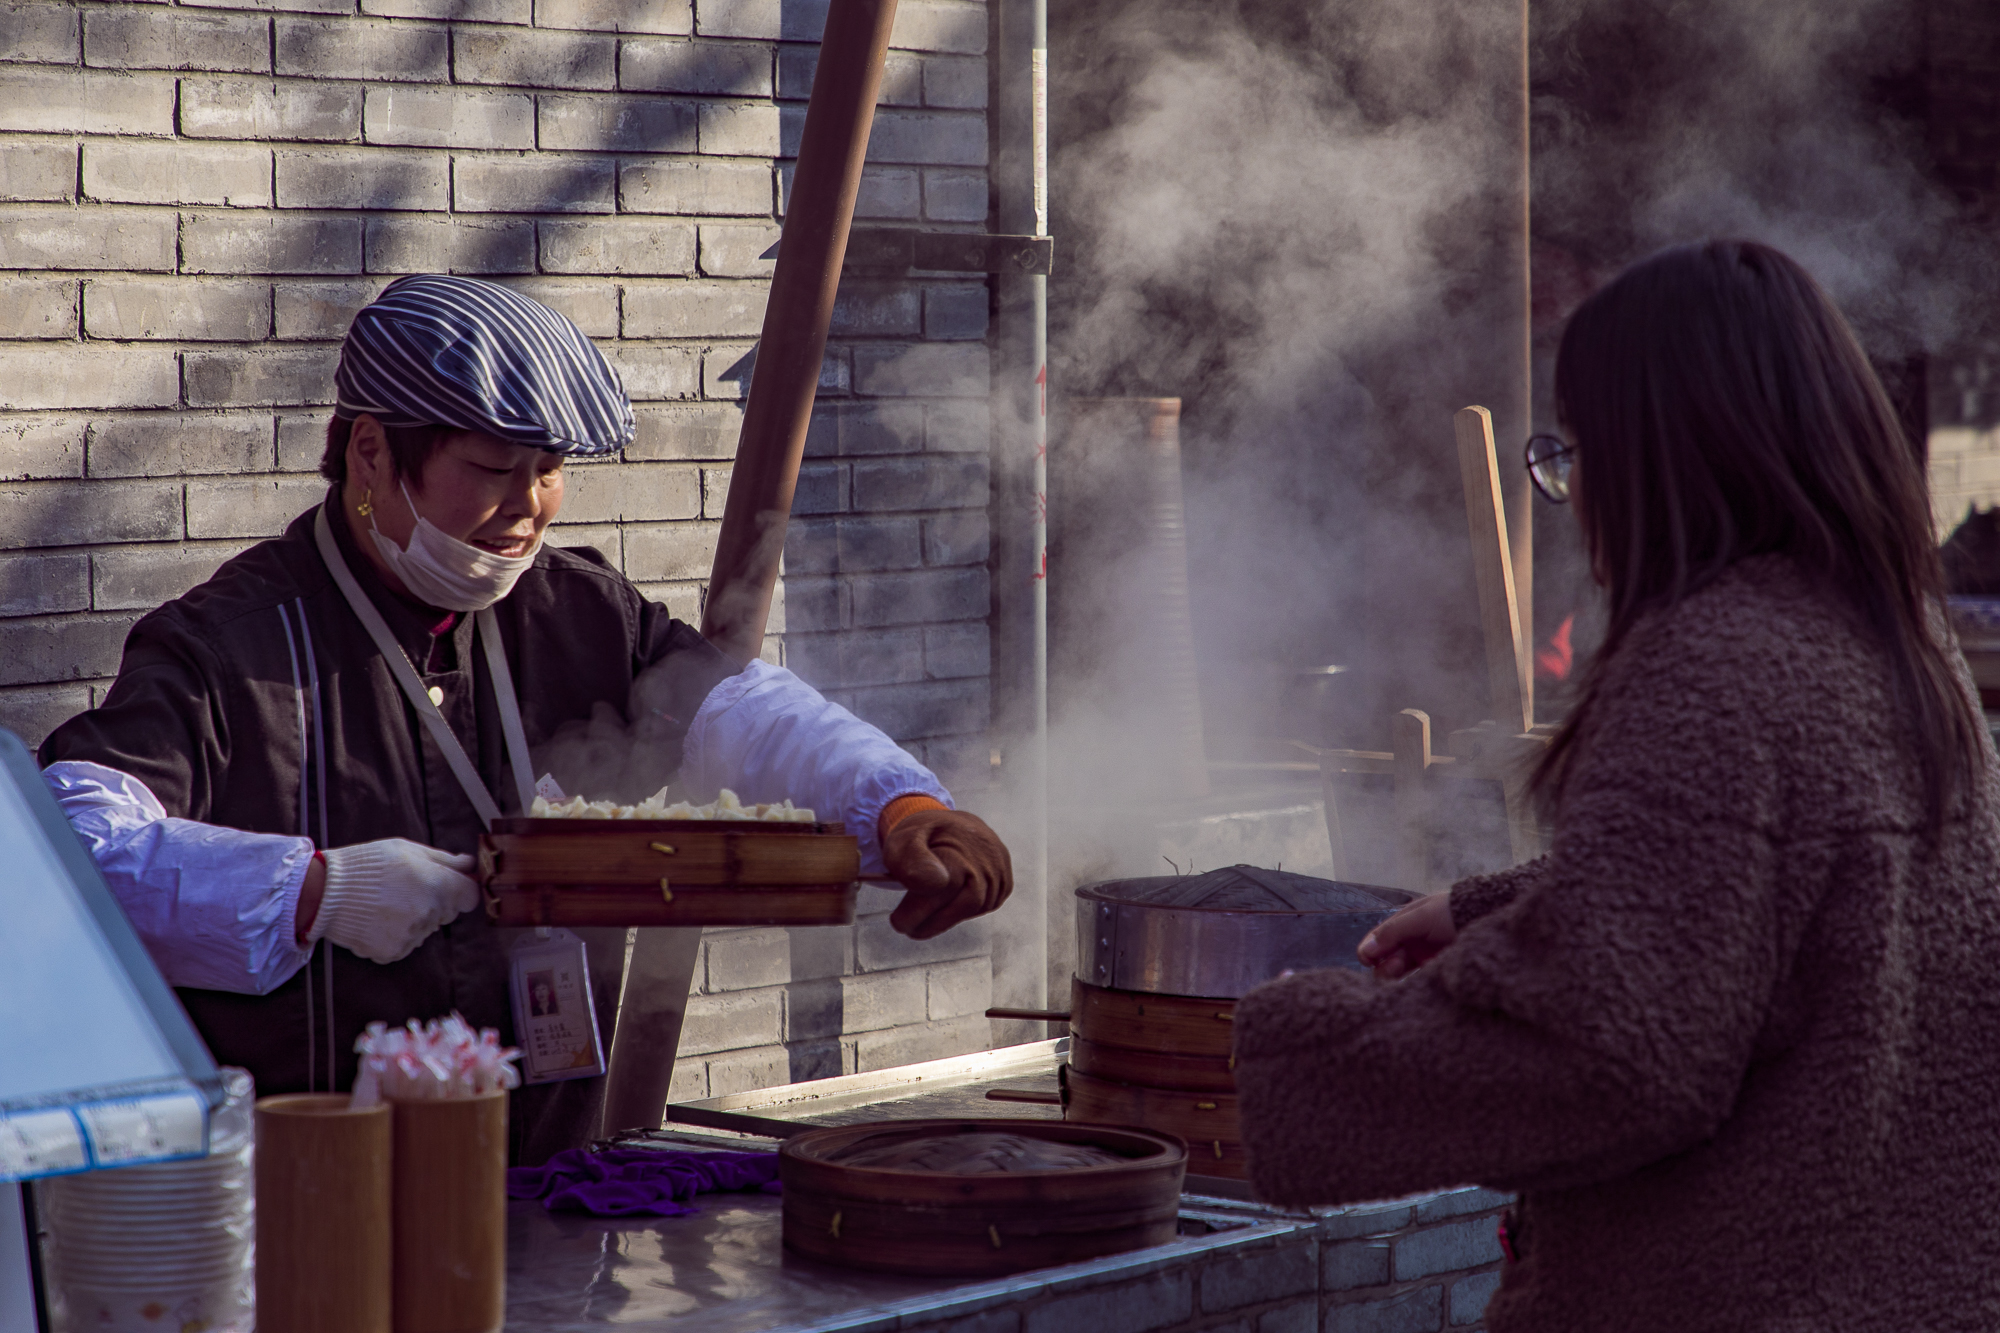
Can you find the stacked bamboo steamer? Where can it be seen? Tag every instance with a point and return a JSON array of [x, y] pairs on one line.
[[1161, 964]]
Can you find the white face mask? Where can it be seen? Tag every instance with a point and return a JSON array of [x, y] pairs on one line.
[[444, 571]]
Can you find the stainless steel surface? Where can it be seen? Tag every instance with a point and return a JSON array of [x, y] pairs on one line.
[[935, 1088], [1217, 951]]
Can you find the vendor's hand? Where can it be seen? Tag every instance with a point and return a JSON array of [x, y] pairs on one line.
[[1417, 933], [383, 899], [953, 865]]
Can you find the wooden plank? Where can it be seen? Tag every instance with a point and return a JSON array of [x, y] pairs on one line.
[[1509, 678], [1411, 732], [639, 855]]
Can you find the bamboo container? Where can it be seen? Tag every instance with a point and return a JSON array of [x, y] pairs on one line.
[[450, 1211], [323, 1250]]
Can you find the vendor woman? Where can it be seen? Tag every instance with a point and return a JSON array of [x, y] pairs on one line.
[[1734, 1038], [285, 782]]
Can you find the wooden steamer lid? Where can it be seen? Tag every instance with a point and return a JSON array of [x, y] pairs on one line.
[[978, 1198], [668, 872]]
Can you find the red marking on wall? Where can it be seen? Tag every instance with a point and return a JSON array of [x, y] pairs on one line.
[[1554, 659]]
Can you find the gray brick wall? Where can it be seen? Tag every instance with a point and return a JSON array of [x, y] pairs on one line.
[[196, 197]]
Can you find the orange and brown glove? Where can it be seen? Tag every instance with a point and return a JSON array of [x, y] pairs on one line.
[[953, 866]]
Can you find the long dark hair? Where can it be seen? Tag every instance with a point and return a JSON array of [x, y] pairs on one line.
[[1721, 408]]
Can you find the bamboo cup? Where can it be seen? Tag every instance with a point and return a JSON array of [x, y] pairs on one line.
[[323, 1254], [450, 1205]]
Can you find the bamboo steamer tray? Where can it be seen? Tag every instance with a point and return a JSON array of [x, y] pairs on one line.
[[667, 872], [1120, 1064], [988, 1225], [1167, 1024], [1206, 1120]]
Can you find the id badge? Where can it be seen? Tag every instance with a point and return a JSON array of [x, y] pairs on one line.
[[554, 1019]]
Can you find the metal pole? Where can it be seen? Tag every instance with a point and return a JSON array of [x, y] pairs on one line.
[[1038, 293]]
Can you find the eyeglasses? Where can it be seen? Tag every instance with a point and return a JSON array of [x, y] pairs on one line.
[[1550, 459]]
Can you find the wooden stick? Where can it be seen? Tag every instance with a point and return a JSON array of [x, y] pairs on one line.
[[1411, 732], [1507, 671]]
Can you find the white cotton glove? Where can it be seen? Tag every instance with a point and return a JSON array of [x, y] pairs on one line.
[[385, 898]]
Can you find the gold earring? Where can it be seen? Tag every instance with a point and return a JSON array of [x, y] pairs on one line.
[[365, 508]]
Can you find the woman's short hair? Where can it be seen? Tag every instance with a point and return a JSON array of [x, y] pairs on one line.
[[1720, 408], [410, 447]]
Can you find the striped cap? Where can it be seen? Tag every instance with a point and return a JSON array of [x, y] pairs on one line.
[[442, 351]]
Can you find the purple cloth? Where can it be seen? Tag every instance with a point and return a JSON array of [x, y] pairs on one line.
[[623, 1182]]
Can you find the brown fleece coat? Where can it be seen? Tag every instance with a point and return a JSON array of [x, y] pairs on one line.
[[1736, 1038]]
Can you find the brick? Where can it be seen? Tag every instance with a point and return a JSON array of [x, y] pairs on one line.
[[955, 312], [810, 549], [879, 311], [249, 508], [986, 1321], [815, 604], [747, 959], [921, 597], [178, 443], [742, 18], [534, 185], [1258, 1277], [955, 196], [1365, 1219], [955, 81], [694, 309], [146, 37], [443, 244], [37, 652], [878, 948], [1158, 1300], [955, 990], [1447, 1249], [34, 172], [689, 1082], [927, 708], [869, 545], [940, 25], [38, 377], [33, 713], [87, 238], [732, 1021], [320, 310], [76, 101], [881, 1000], [40, 33], [692, 187], [962, 427], [1419, 1311], [293, 6], [237, 243], [714, 491], [1358, 1263], [301, 440], [535, 59], [673, 17], [957, 539], [142, 580], [668, 551], [822, 489], [866, 428], [260, 377], [258, 109], [590, 305], [738, 251], [631, 492], [924, 482], [607, 539], [902, 76], [723, 68], [936, 370], [923, 138], [38, 446], [135, 172], [624, 245], [1469, 1296], [1459, 1202], [182, 309], [740, 1071], [916, 1042], [682, 600], [738, 131], [694, 430], [37, 308], [887, 193], [448, 118], [869, 657], [617, 124], [373, 49], [957, 651], [79, 513], [652, 372], [44, 585], [373, 178], [460, 11]]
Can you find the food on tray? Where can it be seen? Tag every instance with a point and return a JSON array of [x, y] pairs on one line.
[[973, 1154], [726, 806]]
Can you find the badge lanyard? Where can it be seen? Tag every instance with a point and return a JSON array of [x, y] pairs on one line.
[[487, 627]]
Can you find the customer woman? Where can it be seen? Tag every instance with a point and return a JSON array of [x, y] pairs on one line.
[[1736, 1038]]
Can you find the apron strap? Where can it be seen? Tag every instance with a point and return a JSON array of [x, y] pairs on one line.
[[413, 688]]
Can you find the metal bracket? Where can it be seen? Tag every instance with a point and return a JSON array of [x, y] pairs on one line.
[[885, 251]]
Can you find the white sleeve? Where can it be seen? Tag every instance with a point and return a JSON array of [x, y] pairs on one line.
[[768, 736], [216, 907]]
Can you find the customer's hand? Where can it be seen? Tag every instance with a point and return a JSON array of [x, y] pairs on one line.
[[953, 866], [1417, 933], [382, 899]]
